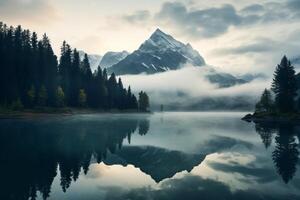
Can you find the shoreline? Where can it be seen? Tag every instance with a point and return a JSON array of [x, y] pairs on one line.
[[272, 118], [31, 113]]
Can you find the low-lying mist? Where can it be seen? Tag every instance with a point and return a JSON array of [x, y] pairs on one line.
[[189, 89]]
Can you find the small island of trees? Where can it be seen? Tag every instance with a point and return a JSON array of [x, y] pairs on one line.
[[281, 102], [32, 78]]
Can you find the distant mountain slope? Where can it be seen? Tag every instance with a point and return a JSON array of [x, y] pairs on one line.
[[161, 52], [93, 58], [250, 77], [111, 58], [224, 79]]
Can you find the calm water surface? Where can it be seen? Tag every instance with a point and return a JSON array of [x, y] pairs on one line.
[[161, 156]]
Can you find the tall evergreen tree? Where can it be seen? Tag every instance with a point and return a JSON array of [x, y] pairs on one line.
[[143, 102], [112, 91], [64, 70], [266, 102], [75, 79], [284, 86], [50, 69], [87, 79]]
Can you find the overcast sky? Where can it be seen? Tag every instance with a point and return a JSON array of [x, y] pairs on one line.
[[235, 35]]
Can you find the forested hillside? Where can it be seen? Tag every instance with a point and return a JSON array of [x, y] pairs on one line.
[[32, 76]]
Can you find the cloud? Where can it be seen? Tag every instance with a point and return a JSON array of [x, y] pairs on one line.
[[138, 16], [260, 45], [190, 86], [254, 8], [262, 175], [275, 48], [222, 143], [194, 187], [28, 11], [214, 21], [294, 5], [205, 23]]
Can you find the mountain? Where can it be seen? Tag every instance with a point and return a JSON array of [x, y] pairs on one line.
[[111, 58], [224, 80], [93, 58], [161, 52], [250, 77]]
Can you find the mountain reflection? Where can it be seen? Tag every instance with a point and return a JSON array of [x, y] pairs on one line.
[[30, 152], [157, 162], [286, 152]]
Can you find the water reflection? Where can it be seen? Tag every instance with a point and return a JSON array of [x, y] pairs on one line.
[[162, 156], [30, 151], [33, 152], [285, 154]]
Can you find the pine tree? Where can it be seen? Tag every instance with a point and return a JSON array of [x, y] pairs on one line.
[[121, 95], [75, 79], [82, 98], [87, 79], [284, 86], [266, 102], [112, 91], [50, 69], [129, 103], [34, 60], [59, 97], [31, 94], [17, 104], [143, 102], [42, 96], [64, 70], [99, 90]]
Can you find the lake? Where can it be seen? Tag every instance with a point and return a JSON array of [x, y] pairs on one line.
[[172, 155]]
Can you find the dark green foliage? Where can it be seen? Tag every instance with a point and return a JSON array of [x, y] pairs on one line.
[[82, 98], [59, 97], [75, 82], [285, 155], [42, 96], [284, 86], [65, 70], [143, 102], [46, 152], [87, 79], [131, 100], [31, 96], [31, 76], [266, 102]]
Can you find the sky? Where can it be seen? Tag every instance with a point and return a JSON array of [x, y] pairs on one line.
[[236, 36]]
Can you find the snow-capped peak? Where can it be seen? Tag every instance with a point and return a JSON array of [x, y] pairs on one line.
[[159, 53], [162, 41]]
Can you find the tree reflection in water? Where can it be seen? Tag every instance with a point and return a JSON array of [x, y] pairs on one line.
[[286, 152], [30, 152]]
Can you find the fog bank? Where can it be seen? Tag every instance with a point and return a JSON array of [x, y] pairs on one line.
[[188, 88]]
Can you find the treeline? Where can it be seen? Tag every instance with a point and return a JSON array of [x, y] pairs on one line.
[[282, 97], [31, 76]]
